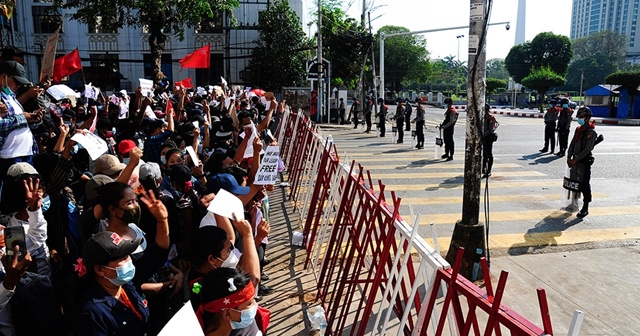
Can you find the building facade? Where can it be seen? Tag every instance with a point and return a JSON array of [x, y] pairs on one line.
[[590, 16], [116, 60]]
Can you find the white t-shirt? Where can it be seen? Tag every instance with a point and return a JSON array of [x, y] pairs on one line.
[[20, 141]]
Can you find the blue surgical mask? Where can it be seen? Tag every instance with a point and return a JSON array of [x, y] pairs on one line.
[[247, 317], [580, 121], [126, 160], [565, 105], [124, 273], [46, 203], [74, 149], [7, 90], [163, 160], [550, 106]]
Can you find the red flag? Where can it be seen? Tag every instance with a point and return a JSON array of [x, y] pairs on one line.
[[185, 83], [197, 59], [66, 65]]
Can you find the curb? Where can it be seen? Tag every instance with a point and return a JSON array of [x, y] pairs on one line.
[[521, 114], [604, 121]]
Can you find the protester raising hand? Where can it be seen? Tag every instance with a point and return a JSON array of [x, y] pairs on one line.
[[33, 194], [155, 206]]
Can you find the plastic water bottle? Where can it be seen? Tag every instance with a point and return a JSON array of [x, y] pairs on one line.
[[317, 319], [476, 265]]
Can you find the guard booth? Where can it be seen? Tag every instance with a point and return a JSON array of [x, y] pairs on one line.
[[601, 100]]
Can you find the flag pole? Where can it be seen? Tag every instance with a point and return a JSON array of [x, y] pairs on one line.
[[84, 81], [209, 67]]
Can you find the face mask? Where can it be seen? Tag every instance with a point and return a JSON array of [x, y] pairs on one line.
[[7, 90], [46, 203], [565, 105], [126, 160], [74, 149], [124, 273], [68, 123], [580, 121], [246, 317], [163, 160], [231, 261], [131, 215]]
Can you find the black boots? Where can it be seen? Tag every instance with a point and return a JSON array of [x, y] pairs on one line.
[[584, 211]]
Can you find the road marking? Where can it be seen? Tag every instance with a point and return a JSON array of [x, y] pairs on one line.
[[451, 175], [493, 199], [431, 166], [459, 186], [552, 238], [528, 215]]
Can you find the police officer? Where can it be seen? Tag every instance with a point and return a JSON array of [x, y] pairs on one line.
[[381, 117], [550, 118], [580, 158], [368, 105], [448, 125], [354, 112], [408, 109], [564, 126], [399, 118], [489, 136], [419, 120]]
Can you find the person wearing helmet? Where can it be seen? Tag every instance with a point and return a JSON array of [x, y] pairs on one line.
[[449, 123], [550, 118], [564, 126], [489, 136], [381, 116], [580, 158], [399, 119]]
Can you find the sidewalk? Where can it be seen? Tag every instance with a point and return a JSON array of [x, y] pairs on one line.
[[534, 113]]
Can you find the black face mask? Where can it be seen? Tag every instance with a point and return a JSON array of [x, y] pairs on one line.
[[131, 215]]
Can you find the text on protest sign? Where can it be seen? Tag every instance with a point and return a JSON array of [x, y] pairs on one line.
[[92, 143], [268, 170]]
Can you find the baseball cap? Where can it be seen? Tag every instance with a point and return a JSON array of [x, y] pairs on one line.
[[107, 246], [180, 173], [21, 168], [125, 146], [15, 70], [149, 170], [108, 164], [94, 183], [228, 182]]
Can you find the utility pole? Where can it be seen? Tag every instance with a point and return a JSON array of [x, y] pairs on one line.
[[320, 64], [468, 232], [581, 81], [373, 63], [364, 64]]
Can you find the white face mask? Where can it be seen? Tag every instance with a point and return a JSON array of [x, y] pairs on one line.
[[231, 261]]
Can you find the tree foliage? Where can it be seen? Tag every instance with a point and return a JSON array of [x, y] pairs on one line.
[[494, 85], [345, 41], [280, 34], [542, 80], [546, 50], [595, 69], [611, 44], [157, 16], [496, 69], [406, 57], [629, 81]]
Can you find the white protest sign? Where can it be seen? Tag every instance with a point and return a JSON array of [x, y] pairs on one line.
[[146, 87], [193, 156], [92, 143], [124, 110], [248, 152], [89, 93], [226, 204], [268, 170], [49, 57], [201, 91], [223, 81], [267, 106], [184, 322], [60, 91]]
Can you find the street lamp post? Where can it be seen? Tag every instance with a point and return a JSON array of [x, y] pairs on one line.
[[459, 37]]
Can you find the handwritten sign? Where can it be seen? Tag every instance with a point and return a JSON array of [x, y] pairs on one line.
[[92, 143], [268, 170], [184, 322], [146, 87], [49, 57]]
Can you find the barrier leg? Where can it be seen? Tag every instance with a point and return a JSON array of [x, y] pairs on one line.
[[576, 323]]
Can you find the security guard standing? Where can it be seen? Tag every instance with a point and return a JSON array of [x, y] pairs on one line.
[[399, 118], [580, 158], [448, 125], [489, 136], [550, 119], [368, 105], [407, 115], [564, 126], [382, 114], [419, 120]]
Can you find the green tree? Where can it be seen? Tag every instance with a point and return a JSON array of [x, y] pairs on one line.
[[497, 69], [280, 34], [609, 43], [542, 80], [629, 81], [495, 85], [551, 50], [594, 68], [518, 61], [404, 56], [157, 16]]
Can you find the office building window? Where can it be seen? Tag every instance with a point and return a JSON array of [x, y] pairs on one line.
[[102, 25], [46, 19]]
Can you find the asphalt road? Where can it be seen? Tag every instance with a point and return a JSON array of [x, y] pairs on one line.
[[525, 191]]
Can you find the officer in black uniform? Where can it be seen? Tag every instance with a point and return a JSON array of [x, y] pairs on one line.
[[447, 126], [550, 119], [580, 158], [381, 117], [489, 136], [399, 119], [564, 126], [407, 115]]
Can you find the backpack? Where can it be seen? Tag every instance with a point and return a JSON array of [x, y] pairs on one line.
[[35, 308]]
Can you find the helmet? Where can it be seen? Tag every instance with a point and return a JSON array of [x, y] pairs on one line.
[[448, 101], [380, 100], [564, 101], [584, 112]]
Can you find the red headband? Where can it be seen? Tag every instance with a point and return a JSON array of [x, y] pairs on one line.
[[231, 301]]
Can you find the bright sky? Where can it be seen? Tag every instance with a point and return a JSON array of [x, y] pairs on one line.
[[542, 16]]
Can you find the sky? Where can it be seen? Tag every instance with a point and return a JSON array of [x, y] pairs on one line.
[[542, 16]]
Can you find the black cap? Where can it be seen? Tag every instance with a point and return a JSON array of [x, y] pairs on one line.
[[180, 173], [584, 112], [107, 246], [15, 70]]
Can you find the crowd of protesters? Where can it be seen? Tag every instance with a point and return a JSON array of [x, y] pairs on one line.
[[118, 244]]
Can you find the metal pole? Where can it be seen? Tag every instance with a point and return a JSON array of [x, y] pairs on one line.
[[468, 232], [320, 65], [581, 80], [373, 67], [382, 37]]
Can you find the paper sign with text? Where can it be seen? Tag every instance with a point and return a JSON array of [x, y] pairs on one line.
[[92, 143], [226, 204], [49, 57], [268, 170], [146, 87]]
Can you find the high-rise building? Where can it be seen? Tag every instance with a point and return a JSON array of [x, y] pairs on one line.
[[521, 23], [590, 16]]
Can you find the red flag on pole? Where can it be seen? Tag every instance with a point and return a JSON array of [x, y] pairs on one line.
[[66, 65], [185, 83], [197, 59]]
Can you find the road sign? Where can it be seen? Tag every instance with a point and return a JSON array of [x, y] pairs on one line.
[[312, 69]]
